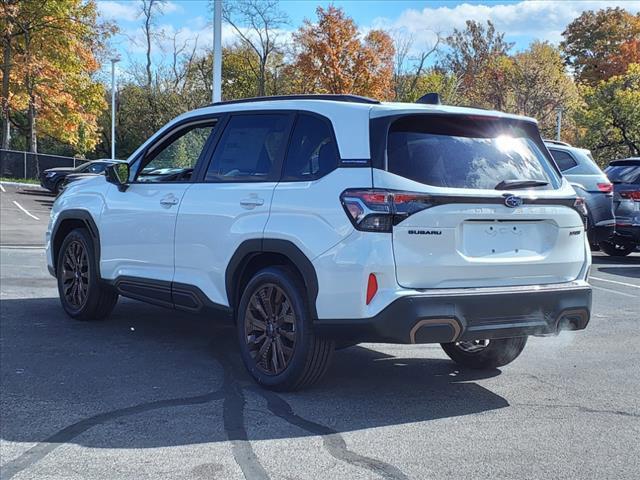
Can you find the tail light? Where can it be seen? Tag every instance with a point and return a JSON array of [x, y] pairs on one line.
[[378, 210], [581, 207], [605, 187], [631, 195]]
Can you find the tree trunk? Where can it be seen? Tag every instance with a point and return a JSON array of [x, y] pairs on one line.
[[262, 79], [33, 139], [6, 70]]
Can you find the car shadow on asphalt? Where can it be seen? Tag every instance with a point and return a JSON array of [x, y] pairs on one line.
[[633, 259], [89, 383], [630, 272], [40, 192]]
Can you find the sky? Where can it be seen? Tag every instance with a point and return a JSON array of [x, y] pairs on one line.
[[190, 20]]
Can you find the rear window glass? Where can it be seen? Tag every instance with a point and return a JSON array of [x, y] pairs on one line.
[[467, 152], [623, 173], [586, 164], [312, 151]]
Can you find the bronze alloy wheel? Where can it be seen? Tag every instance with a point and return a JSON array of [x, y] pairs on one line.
[[75, 274], [270, 329]]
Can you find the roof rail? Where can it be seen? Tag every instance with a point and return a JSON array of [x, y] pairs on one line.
[[556, 142], [323, 96]]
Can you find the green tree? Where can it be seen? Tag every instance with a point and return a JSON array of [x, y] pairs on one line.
[[539, 86], [258, 24], [594, 41], [610, 118], [477, 56]]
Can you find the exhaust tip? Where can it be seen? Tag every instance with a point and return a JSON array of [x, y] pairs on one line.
[[435, 330], [570, 320]]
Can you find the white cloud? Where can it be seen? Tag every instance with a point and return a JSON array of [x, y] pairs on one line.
[[543, 20], [130, 10]]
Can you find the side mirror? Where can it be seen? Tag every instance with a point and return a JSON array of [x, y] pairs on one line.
[[118, 174]]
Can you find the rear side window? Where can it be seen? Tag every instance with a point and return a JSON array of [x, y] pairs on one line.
[[472, 152], [250, 148], [623, 173], [564, 160], [312, 151]]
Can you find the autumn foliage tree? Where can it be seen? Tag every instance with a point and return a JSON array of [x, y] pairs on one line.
[[601, 44], [52, 48], [332, 57]]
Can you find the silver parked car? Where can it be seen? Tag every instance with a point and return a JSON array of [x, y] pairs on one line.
[[590, 183]]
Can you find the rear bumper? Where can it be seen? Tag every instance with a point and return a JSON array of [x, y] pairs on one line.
[[627, 233], [470, 314], [600, 233]]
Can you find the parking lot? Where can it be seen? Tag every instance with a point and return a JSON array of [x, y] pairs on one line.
[[154, 393]]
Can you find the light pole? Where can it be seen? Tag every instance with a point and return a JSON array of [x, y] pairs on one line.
[[113, 106], [216, 93]]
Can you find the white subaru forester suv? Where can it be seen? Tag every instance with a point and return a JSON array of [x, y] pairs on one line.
[[320, 221]]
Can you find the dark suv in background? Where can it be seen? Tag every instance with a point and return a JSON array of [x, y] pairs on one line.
[[53, 178], [625, 175]]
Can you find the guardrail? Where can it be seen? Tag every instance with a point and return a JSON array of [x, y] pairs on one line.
[[19, 164]]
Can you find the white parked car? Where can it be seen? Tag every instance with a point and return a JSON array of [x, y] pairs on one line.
[[317, 221]]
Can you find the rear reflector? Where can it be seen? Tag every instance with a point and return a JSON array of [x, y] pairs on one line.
[[605, 187], [631, 195], [372, 287]]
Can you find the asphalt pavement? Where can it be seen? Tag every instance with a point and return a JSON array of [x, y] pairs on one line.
[[155, 393]]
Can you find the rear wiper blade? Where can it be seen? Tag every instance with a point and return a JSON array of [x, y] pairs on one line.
[[514, 184]]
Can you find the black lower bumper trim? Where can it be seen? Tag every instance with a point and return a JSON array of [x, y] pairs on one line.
[[442, 319]]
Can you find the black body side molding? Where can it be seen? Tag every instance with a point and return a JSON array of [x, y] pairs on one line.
[[176, 295]]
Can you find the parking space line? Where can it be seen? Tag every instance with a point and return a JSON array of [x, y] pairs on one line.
[[2, 188], [25, 210], [616, 282], [614, 291]]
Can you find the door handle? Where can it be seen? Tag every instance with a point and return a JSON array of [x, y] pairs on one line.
[[169, 201], [251, 202]]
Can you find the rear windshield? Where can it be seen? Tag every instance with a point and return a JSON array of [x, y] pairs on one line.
[[623, 173], [467, 152], [586, 164]]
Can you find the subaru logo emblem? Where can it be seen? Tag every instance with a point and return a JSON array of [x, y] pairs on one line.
[[512, 201]]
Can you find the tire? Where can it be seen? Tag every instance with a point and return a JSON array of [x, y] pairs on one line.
[[56, 187], [90, 299], [616, 250], [497, 353], [274, 308]]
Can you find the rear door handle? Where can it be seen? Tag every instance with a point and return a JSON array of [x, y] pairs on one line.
[[251, 202], [169, 200]]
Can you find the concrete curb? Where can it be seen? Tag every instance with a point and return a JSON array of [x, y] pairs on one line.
[[20, 184]]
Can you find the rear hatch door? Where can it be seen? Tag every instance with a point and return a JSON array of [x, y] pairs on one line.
[[490, 209]]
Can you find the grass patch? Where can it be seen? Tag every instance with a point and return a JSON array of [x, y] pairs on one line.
[[31, 181]]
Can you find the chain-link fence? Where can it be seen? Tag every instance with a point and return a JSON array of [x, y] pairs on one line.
[[18, 164]]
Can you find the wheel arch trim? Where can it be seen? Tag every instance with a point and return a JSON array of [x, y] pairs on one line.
[[85, 217], [250, 248]]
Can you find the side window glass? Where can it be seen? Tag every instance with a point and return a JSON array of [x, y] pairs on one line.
[[175, 161], [563, 159], [312, 152], [97, 168], [249, 149]]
